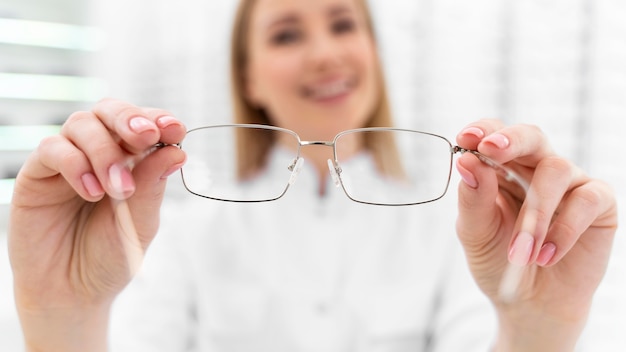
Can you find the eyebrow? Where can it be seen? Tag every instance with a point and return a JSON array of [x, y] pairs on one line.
[[338, 10], [291, 18]]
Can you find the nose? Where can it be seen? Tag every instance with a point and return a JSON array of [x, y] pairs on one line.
[[324, 51]]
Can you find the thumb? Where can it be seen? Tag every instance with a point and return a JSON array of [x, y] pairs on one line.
[[480, 217], [150, 176], [137, 217]]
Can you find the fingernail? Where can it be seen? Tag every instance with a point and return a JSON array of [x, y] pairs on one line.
[[91, 184], [521, 249], [140, 124], [473, 131], [166, 121], [467, 176], [171, 170], [500, 141], [546, 253], [120, 180]]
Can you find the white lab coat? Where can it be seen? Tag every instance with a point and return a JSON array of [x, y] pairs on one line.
[[303, 273]]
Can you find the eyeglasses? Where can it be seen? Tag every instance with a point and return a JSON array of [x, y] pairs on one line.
[[379, 166]]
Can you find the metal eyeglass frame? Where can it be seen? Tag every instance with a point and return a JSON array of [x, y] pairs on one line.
[[335, 168]]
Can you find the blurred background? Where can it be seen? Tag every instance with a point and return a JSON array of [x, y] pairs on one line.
[[559, 64]]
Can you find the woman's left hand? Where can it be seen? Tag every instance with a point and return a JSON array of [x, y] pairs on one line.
[[560, 233]]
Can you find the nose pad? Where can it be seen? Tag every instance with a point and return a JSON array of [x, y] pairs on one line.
[[334, 173], [295, 168]]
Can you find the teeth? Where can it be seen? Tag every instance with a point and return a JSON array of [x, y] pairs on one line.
[[330, 90]]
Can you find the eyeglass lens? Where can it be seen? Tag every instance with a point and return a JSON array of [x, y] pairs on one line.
[[232, 163], [403, 167]]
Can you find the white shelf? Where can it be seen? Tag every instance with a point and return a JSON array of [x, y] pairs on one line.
[[50, 35], [50, 87]]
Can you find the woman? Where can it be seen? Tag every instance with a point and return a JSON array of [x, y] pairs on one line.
[[310, 67]]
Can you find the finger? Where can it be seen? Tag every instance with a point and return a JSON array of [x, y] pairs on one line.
[[172, 130], [552, 179], [131, 124], [480, 207], [139, 128], [137, 217], [472, 134], [150, 178], [56, 155], [581, 209], [106, 156], [526, 144]]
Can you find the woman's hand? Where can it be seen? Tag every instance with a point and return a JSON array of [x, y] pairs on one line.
[[560, 233], [82, 201]]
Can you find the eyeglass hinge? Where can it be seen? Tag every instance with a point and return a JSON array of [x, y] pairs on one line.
[[456, 149], [484, 159]]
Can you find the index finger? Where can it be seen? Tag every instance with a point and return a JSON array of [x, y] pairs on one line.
[[523, 144], [139, 128]]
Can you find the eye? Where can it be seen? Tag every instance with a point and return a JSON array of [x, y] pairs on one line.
[[344, 25], [286, 37]]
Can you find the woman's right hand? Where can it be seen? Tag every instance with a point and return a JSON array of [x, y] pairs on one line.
[[83, 201]]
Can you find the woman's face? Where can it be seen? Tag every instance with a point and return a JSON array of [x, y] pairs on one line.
[[312, 65]]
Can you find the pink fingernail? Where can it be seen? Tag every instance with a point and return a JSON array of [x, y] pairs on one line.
[[522, 248], [166, 121], [171, 170], [91, 184], [500, 141], [120, 180], [546, 253], [467, 176], [473, 131], [140, 124]]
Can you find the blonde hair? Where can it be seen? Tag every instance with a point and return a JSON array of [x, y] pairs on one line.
[[252, 152]]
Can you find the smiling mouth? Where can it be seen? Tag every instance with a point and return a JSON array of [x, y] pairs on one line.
[[329, 90]]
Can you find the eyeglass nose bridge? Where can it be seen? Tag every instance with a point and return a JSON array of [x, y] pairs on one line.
[[297, 163], [324, 143]]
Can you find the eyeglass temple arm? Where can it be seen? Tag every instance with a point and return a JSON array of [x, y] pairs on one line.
[[160, 145]]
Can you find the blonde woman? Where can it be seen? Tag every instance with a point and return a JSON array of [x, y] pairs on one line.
[[312, 271]]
